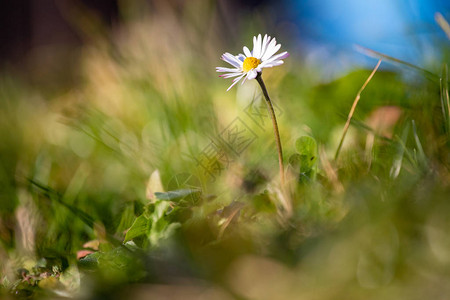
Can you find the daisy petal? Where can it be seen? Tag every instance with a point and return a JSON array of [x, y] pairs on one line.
[[226, 57], [230, 75], [268, 64], [257, 46], [243, 80], [277, 63], [252, 74], [231, 59], [260, 46], [236, 80], [264, 45], [282, 55], [273, 64], [271, 51], [220, 69], [247, 51]]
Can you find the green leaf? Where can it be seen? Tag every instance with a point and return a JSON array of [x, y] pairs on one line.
[[263, 203], [160, 208], [90, 261], [118, 264], [161, 227], [307, 149], [140, 226], [162, 230], [306, 145]]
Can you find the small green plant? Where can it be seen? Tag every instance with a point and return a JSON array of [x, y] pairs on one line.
[[304, 162]]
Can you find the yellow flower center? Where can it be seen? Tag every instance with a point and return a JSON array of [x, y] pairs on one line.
[[250, 63]]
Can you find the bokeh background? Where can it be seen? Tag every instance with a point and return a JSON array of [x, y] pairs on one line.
[[402, 29], [103, 103]]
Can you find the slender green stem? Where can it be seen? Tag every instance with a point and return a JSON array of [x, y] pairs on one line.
[[275, 125]]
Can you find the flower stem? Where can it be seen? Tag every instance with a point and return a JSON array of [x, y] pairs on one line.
[[275, 125]]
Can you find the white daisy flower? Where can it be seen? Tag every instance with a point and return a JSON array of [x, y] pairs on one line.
[[249, 64]]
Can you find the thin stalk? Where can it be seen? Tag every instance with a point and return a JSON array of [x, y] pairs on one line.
[[352, 110], [275, 126]]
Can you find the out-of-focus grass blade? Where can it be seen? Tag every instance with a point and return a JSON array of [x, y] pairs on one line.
[[373, 53], [445, 102], [398, 158], [126, 219], [364, 126], [442, 22], [422, 160], [55, 195]]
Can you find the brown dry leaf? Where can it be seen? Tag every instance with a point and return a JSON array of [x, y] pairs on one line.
[[94, 244], [383, 119], [83, 253]]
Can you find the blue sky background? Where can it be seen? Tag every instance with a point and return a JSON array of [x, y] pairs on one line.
[[404, 29]]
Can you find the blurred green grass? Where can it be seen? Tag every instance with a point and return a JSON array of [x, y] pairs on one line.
[[75, 167]]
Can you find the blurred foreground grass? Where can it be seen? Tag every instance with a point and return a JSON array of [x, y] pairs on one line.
[[149, 140]]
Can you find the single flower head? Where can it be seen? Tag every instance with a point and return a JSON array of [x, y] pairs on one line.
[[249, 64]]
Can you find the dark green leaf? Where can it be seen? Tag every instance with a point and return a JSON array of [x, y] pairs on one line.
[[90, 261]]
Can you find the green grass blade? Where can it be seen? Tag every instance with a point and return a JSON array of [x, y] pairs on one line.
[[445, 103], [369, 52]]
